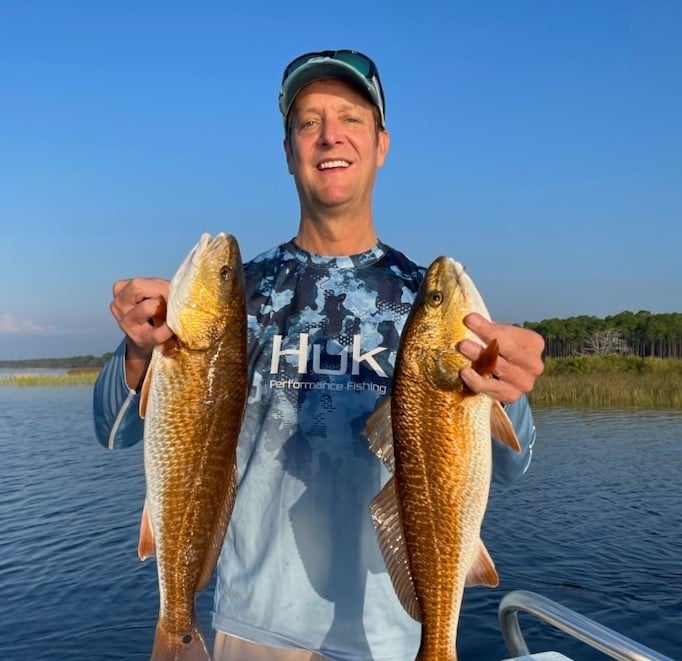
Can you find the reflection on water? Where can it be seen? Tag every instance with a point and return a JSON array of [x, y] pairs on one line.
[[596, 524]]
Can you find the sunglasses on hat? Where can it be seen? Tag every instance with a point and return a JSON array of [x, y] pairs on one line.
[[358, 62]]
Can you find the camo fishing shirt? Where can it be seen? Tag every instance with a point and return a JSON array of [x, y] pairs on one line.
[[301, 565]]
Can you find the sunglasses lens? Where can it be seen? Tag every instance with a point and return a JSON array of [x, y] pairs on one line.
[[361, 63], [295, 64]]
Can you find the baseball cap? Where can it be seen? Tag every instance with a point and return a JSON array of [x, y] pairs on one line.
[[352, 66]]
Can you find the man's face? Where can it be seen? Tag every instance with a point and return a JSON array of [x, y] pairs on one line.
[[333, 148]]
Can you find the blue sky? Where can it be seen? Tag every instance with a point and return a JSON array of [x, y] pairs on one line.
[[538, 142]]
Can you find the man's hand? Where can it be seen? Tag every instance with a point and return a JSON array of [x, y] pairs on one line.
[[136, 306], [518, 365]]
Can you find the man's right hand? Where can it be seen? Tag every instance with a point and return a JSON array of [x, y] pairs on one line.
[[135, 307]]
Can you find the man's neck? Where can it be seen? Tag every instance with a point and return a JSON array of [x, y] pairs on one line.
[[337, 237]]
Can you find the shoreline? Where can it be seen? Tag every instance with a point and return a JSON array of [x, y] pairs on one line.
[[577, 382], [78, 376]]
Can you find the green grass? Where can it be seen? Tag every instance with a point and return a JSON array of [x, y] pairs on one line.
[[74, 377], [592, 382]]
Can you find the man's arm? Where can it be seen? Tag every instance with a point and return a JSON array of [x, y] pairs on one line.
[[116, 405], [518, 366], [508, 465], [115, 400]]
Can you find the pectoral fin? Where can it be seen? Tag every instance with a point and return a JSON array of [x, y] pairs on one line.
[[482, 570], [487, 359], [501, 427]]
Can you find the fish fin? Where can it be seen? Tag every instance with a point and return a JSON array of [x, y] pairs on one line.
[[386, 518], [487, 360], [160, 313], [187, 646], [156, 320], [482, 570], [170, 347], [501, 427], [379, 433], [218, 534], [146, 548], [145, 390]]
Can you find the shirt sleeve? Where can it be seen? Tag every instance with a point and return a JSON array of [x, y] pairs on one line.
[[509, 465], [116, 406]]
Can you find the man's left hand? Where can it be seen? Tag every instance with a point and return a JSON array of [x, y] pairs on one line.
[[519, 363]]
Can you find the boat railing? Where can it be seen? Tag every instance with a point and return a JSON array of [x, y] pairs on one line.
[[574, 624]]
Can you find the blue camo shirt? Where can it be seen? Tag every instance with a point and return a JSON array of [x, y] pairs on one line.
[[301, 565]]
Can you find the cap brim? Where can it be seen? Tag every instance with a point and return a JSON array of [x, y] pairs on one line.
[[316, 70]]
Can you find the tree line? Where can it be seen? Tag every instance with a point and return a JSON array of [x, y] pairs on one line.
[[640, 333]]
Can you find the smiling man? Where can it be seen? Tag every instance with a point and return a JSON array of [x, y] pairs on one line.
[[301, 575], [334, 146]]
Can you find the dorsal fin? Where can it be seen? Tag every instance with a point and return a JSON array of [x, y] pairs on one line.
[[379, 433], [218, 534], [386, 518]]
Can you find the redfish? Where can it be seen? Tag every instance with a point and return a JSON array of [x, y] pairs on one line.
[[435, 436], [192, 401]]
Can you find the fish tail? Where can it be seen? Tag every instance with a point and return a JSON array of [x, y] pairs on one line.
[[189, 646]]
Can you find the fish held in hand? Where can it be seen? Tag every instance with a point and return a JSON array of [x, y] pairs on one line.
[[193, 401], [434, 434]]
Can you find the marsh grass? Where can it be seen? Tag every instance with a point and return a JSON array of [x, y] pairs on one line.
[[592, 382], [583, 382], [74, 377]]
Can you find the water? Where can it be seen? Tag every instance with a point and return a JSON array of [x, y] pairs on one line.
[[596, 525]]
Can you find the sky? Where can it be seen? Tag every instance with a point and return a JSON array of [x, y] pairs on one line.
[[538, 142]]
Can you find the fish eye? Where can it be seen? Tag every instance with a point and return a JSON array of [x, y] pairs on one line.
[[436, 298], [225, 272]]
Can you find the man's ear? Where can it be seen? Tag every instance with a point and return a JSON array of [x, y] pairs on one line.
[[383, 146], [288, 153]]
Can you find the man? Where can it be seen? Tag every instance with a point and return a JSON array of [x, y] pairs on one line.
[[301, 575]]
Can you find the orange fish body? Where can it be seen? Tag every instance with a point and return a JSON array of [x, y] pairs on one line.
[[435, 435], [193, 401]]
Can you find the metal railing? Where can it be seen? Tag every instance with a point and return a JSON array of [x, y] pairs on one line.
[[574, 624]]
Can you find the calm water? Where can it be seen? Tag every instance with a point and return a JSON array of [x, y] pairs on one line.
[[596, 525]]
